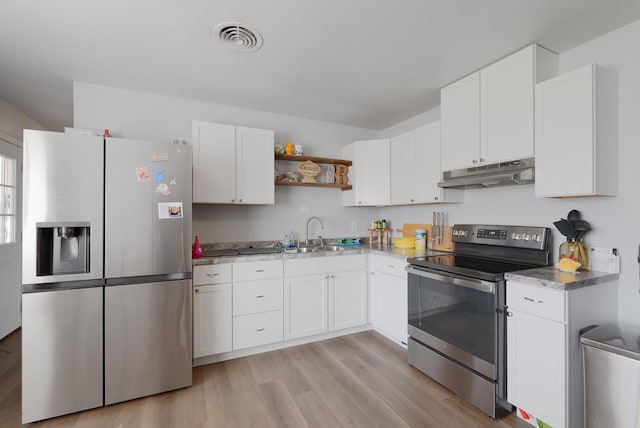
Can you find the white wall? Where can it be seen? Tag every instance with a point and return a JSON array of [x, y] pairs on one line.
[[13, 122], [132, 114], [614, 219]]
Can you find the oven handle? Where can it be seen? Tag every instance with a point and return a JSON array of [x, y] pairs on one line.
[[475, 284]]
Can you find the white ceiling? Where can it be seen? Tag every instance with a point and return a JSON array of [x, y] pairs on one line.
[[366, 63]]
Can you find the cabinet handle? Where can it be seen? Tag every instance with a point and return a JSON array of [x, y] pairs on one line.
[[475, 161], [233, 200], [197, 290], [359, 202], [481, 159], [260, 297], [528, 299], [391, 266], [332, 276], [326, 277], [435, 198], [411, 200], [259, 270], [240, 200], [260, 329], [509, 313], [212, 274]]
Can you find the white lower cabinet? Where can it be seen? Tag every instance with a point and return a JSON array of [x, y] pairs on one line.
[[257, 329], [212, 316], [257, 303], [544, 367], [388, 297], [347, 299], [305, 303], [324, 294]]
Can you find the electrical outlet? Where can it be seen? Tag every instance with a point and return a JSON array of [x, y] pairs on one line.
[[305, 209], [354, 226]]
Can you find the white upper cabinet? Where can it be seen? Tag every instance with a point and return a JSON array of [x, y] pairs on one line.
[[232, 165], [369, 174], [577, 134], [488, 116], [415, 168], [460, 122]]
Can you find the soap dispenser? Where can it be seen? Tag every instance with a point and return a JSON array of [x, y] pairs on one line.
[[197, 251]]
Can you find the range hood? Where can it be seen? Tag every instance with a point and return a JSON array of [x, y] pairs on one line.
[[498, 174]]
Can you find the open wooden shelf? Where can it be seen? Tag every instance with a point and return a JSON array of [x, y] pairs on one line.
[[299, 183], [295, 158]]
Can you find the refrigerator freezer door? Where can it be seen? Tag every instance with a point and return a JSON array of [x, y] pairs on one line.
[[61, 352], [147, 208], [147, 339], [63, 182]]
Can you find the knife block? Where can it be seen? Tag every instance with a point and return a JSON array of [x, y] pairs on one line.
[[447, 240]]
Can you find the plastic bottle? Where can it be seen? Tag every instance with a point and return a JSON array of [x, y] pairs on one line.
[[196, 253]]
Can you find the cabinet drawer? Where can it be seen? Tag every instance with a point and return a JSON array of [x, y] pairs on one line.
[[388, 265], [251, 297], [250, 271], [257, 329], [212, 274], [542, 302]]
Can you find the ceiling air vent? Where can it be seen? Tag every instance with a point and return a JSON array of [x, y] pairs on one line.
[[241, 36]]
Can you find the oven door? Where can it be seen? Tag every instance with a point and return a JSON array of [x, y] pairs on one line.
[[456, 316]]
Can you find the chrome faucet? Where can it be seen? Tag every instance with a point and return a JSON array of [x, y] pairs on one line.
[[306, 240]]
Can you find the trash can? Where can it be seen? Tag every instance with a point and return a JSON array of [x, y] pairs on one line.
[[611, 375]]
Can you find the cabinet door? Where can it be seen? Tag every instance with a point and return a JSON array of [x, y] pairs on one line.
[[507, 111], [564, 135], [536, 367], [428, 171], [254, 173], [347, 299], [305, 306], [214, 163], [404, 164], [460, 122], [389, 306], [212, 331], [372, 179]]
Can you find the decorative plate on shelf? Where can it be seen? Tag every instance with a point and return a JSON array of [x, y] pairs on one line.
[[309, 171]]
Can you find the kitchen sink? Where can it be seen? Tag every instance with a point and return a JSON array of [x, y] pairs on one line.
[[319, 248]]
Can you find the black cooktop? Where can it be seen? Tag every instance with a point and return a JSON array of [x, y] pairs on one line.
[[481, 268]]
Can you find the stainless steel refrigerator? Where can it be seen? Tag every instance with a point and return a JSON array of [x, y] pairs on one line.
[[106, 304]]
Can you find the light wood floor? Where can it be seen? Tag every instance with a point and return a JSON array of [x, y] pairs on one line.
[[360, 380]]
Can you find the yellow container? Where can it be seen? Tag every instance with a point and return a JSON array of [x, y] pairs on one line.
[[404, 242]]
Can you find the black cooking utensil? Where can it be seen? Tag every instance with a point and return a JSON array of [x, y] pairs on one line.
[[574, 215], [581, 228], [565, 227]]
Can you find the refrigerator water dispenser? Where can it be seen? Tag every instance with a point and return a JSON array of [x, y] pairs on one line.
[[62, 248]]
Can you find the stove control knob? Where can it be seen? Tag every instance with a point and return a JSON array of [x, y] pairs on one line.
[[517, 237], [526, 237], [538, 238], [455, 232], [513, 236]]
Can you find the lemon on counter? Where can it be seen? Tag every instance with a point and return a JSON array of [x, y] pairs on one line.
[[567, 265]]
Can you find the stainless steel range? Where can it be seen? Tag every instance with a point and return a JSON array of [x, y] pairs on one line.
[[457, 323]]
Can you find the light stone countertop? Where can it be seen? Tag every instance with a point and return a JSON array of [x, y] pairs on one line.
[[551, 277], [363, 249]]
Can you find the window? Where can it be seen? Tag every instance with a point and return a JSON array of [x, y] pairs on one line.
[[7, 200]]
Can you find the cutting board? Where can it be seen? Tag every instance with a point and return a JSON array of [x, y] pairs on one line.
[[408, 231]]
